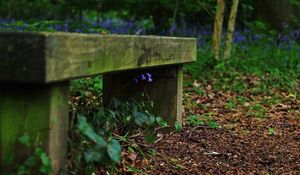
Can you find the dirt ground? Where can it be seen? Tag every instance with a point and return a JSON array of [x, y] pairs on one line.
[[249, 140]]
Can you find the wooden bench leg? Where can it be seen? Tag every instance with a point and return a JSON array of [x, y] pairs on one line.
[[42, 112], [165, 90]]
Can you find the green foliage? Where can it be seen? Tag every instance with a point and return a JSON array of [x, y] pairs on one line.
[[257, 110], [271, 131], [177, 126], [270, 101], [37, 162], [99, 139], [230, 104], [210, 121], [195, 120], [276, 66]]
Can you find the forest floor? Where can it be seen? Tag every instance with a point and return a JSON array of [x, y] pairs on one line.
[[248, 134]]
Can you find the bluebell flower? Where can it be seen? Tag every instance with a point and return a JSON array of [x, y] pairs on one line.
[[173, 28], [143, 77], [149, 77], [66, 26], [279, 36], [78, 31], [256, 37], [135, 80]]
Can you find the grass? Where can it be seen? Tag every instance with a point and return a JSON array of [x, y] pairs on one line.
[[260, 68]]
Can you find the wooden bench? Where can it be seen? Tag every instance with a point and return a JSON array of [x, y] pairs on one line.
[[35, 70]]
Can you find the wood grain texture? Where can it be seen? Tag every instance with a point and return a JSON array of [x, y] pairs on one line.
[[49, 57]]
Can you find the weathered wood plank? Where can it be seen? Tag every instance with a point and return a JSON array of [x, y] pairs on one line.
[[42, 112], [165, 90], [49, 57]]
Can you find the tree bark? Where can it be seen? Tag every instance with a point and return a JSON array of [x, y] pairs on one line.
[[174, 15], [10, 10], [230, 28], [216, 43]]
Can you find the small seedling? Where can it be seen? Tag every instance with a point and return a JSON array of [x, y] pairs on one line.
[[271, 131], [177, 126]]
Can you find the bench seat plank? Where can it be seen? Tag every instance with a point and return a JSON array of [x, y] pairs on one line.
[[50, 57]]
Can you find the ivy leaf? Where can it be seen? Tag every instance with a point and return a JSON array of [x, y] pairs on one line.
[[25, 139], [46, 167], [114, 150], [38, 151], [161, 122], [140, 118], [151, 120], [22, 170], [31, 161], [85, 128], [94, 155]]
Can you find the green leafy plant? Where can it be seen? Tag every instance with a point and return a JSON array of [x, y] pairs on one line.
[[37, 162], [257, 110], [194, 120], [177, 126], [102, 131], [230, 104], [210, 121]]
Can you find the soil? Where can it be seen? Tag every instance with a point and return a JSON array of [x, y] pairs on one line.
[[249, 139]]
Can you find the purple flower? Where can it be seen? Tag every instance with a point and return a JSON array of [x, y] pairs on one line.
[[78, 31], [149, 77], [279, 36], [149, 80], [143, 77]]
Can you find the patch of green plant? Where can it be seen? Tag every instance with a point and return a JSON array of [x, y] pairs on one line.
[[270, 100], [177, 126], [99, 133], [257, 110], [37, 162], [278, 67], [230, 104], [199, 91], [210, 121], [84, 86], [271, 131], [241, 100], [195, 120], [51, 26]]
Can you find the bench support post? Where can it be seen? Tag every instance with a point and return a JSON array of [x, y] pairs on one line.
[[41, 111], [165, 90]]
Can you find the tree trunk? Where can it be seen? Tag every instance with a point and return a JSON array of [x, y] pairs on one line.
[[10, 10], [230, 28], [174, 16], [218, 28]]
